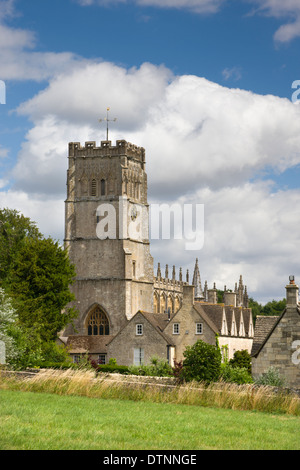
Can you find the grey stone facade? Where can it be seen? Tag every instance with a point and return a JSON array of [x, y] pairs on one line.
[[280, 346]]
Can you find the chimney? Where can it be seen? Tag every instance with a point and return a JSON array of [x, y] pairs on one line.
[[292, 293], [212, 296], [230, 298]]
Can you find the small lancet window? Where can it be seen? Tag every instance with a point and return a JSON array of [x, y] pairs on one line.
[[94, 187], [103, 187]]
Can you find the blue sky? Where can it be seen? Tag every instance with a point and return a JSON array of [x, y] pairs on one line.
[[204, 85]]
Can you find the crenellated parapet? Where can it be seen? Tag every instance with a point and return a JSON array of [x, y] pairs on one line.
[[106, 149]]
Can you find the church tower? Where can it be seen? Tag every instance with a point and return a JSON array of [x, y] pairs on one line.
[[107, 235]]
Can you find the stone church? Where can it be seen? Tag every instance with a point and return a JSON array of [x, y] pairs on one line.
[[125, 311]]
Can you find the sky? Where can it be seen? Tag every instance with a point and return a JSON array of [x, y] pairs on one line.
[[210, 88]]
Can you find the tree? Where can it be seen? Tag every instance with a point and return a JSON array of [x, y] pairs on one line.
[[38, 282], [241, 359], [274, 307], [8, 317], [15, 229], [202, 362]]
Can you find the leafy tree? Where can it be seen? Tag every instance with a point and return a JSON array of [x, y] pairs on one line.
[[202, 362], [241, 359], [15, 229], [8, 317], [23, 348], [39, 281], [238, 375], [274, 307]]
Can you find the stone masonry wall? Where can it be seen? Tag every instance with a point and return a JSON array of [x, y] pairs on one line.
[[280, 350]]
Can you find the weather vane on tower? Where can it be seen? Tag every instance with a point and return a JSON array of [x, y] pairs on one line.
[[107, 121]]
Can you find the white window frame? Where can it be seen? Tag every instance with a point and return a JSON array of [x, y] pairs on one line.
[[176, 328], [102, 356], [199, 326], [139, 329], [76, 358], [138, 356]]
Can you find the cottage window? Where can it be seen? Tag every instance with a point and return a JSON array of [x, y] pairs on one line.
[[76, 358], [199, 328], [102, 359], [139, 329], [138, 358], [176, 329]]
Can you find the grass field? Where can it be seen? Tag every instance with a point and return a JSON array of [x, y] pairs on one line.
[[41, 421]]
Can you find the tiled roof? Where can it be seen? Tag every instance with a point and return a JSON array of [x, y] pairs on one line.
[[211, 314], [263, 326], [78, 344], [159, 321], [214, 312]]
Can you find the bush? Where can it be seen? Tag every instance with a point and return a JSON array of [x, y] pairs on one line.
[[112, 369], [238, 375], [157, 368], [202, 362], [241, 359], [271, 377], [58, 365]]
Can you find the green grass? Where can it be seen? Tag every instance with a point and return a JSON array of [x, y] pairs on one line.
[[42, 421]]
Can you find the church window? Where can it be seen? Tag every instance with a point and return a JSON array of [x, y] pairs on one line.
[[94, 188], [98, 324], [133, 268], [138, 358], [103, 187], [176, 329], [139, 329], [199, 328]]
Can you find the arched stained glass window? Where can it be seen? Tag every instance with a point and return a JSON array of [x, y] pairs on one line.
[[97, 323]]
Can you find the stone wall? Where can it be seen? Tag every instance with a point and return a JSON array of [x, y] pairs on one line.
[[280, 349]]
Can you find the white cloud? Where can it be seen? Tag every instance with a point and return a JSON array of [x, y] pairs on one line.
[[287, 9], [183, 122], [248, 231], [197, 6], [203, 144], [83, 94], [18, 58], [234, 73], [3, 152], [48, 212]]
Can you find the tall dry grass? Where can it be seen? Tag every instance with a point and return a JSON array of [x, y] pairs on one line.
[[111, 386]]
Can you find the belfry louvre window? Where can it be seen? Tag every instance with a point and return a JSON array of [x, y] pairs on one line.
[[103, 189], [94, 188], [98, 324]]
